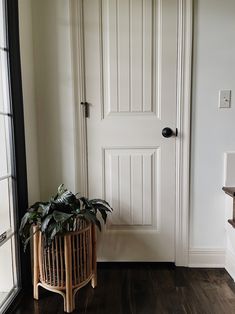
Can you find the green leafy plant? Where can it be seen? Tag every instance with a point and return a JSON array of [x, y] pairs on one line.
[[60, 213]]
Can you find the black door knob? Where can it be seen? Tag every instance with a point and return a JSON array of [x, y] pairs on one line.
[[167, 132]]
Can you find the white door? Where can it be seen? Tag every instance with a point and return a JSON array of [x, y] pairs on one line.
[[130, 49]]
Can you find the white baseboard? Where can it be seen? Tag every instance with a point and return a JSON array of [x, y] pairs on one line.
[[211, 258], [230, 263]]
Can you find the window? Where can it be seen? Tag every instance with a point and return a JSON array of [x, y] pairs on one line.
[[12, 153]]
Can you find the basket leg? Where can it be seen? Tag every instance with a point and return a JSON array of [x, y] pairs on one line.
[[35, 263], [65, 304], [69, 304], [94, 281], [36, 292], [94, 263], [68, 274]]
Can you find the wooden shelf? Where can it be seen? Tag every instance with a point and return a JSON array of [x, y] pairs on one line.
[[231, 192]]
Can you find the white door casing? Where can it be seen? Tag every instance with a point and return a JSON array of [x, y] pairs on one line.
[[135, 78]]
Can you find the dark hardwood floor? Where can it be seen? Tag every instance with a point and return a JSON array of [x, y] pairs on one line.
[[145, 289]]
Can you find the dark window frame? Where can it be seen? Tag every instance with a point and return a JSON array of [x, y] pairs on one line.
[[12, 30]]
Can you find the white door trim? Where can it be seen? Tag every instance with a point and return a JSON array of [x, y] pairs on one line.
[[81, 171], [185, 30], [183, 123]]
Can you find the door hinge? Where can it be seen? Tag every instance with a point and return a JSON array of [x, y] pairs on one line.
[[86, 108]]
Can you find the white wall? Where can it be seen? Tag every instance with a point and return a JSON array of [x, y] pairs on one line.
[[54, 95], [45, 39], [27, 65], [213, 130]]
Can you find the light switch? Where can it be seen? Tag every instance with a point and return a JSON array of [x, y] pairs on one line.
[[225, 99]]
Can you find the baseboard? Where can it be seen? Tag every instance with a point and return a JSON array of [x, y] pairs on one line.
[[230, 263], [208, 258]]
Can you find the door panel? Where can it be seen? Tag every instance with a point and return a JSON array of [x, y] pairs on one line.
[[127, 33], [130, 180], [130, 78]]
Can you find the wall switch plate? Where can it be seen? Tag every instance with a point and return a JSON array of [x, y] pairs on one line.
[[224, 98]]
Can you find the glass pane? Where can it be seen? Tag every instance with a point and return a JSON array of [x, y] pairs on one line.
[[4, 84], [1, 91], [3, 151], [7, 262], [5, 222], [2, 24]]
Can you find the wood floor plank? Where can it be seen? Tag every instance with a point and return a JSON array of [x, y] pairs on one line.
[[145, 288]]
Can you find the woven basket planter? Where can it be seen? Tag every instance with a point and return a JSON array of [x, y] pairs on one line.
[[68, 264]]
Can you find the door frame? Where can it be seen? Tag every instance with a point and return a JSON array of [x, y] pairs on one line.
[[184, 74]]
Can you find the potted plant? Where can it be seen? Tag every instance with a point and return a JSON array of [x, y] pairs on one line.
[[63, 231]]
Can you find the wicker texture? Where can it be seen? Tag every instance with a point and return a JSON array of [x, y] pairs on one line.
[[67, 264]]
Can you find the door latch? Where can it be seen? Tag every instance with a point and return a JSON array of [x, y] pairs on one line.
[[86, 108], [3, 237]]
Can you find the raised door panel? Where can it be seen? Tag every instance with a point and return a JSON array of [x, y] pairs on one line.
[[130, 56], [132, 187]]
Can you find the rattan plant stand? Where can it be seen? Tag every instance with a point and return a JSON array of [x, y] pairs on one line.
[[68, 264]]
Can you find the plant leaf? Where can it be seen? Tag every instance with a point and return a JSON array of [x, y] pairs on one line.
[[66, 197], [84, 201], [103, 213], [61, 189], [45, 208], [45, 222], [28, 239], [61, 216], [24, 221], [55, 231], [37, 205], [103, 202], [92, 217]]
